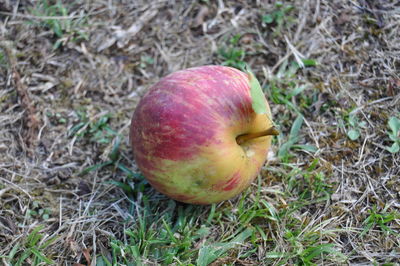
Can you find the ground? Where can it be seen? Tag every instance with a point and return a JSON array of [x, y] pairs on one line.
[[72, 72]]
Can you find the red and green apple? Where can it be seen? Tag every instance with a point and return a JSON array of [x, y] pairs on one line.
[[196, 136]]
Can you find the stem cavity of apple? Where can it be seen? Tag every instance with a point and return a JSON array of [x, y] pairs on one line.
[[272, 131]]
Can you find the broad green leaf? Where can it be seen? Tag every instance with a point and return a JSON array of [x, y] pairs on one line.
[[257, 95], [268, 18], [271, 210], [395, 148], [353, 134], [284, 149], [362, 124], [294, 131], [57, 28], [209, 253], [394, 124], [353, 120]]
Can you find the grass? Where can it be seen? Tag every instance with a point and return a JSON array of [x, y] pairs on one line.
[[232, 54], [280, 18], [64, 29], [169, 235], [381, 220], [97, 131], [31, 250], [72, 193]]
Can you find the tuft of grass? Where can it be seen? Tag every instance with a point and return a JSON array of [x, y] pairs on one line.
[[285, 88], [232, 55], [208, 253], [279, 18], [36, 211], [165, 236], [97, 130], [355, 126], [64, 29], [31, 251], [380, 220]]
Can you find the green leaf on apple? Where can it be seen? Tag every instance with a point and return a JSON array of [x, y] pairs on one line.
[[257, 95]]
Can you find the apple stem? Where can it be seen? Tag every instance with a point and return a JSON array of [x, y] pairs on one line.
[[272, 131]]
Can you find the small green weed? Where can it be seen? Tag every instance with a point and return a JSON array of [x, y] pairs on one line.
[[57, 118], [36, 211], [31, 251], [99, 131], [280, 17], [380, 220], [64, 28], [284, 87], [394, 135], [115, 160], [232, 55], [96, 130], [146, 60], [355, 126], [309, 185]]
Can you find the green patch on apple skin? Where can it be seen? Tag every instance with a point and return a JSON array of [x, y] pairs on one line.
[[257, 95]]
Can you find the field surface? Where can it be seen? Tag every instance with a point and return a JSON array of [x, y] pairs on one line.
[[72, 73]]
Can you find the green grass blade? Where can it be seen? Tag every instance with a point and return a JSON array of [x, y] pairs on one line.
[[41, 256], [295, 130], [95, 167], [209, 253]]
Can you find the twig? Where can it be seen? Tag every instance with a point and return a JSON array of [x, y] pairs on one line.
[[31, 121]]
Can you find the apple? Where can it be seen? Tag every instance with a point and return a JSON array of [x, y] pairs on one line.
[[195, 135]]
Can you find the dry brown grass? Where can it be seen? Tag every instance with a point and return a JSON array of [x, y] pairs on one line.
[[356, 45]]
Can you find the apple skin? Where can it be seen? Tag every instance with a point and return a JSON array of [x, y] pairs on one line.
[[183, 135]]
